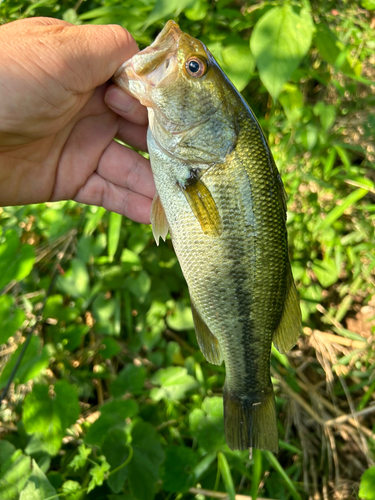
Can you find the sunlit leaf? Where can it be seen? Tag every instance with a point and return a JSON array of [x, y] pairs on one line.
[[279, 41], [37, 487], [165, 8], [174, 383]]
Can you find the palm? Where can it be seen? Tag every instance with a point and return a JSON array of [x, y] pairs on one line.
[[57, 138]]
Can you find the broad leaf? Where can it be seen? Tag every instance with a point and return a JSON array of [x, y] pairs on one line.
[[367, 486], [113, 414], [174, 383], [207, 424], [33, 362], [279, 41], [49, 415], [16, 260], [147, 458], [15, 468], [117, 453], [177, 471], [37, 487], [130, 379], [167, 8]]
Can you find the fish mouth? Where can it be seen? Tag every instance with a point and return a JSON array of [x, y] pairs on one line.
[[154, 66]]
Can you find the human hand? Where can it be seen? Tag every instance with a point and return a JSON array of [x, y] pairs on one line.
[[56, 125]]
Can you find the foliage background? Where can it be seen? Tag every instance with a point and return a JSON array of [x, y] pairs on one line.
[[113, 399]]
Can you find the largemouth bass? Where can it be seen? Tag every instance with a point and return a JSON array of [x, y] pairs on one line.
[[221, 197]]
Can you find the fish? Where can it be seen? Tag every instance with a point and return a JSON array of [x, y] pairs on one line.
[[221, 198]]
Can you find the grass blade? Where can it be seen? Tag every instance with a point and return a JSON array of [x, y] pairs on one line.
[[340, 209], [114, 230], [226, 475], [276, 465], [257, 473]]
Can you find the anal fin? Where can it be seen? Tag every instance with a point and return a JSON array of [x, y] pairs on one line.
[[290, 327], [158, 219], [207, 341]]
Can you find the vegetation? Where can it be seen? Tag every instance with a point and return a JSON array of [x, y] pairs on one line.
[[112, 398]]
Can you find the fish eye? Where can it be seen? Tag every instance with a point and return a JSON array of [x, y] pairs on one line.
[[196, 67]]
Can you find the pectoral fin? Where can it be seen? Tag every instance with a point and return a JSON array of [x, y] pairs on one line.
[[158, 219], [289, 329], [203, 206], [208, 343]]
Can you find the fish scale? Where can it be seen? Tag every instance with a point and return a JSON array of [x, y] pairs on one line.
[[221, 197]]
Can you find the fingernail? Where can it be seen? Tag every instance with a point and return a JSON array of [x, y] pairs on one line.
[[120, 100]]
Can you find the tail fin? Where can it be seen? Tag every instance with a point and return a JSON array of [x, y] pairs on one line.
[[250, 425]]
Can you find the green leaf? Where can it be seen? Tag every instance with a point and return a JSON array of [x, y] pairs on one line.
[[181, 318], [6, 451], [93, 220], [98, 473], [198, 11], [76, 280], [332, 50], [80, 460], [130, 261], [113, 414], [174, 383], [15, 469], [33, 362], [114, 231], [11, 319], [166, 8], [73, 488], [130, 379], [49, 415], [143, 469], [37, 487], [16, 261], [55, 308], [279, 41], [139, 285], [71, 336], [117, 452], [207, 424], [292, 101], [238, 61], [326, 272], [226, 475], [368, 4], [367, 486], [109, 348], [70, 16], [177, 471], [278, 467], [340, 209]]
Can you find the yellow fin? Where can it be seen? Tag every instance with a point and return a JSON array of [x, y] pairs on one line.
[[290, 327], [203, 206], [207, 341], [158, 219]]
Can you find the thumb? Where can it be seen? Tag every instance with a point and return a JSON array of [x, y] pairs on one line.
[[83, 57]]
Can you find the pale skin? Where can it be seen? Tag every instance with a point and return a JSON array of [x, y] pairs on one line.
[[59, 114]]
